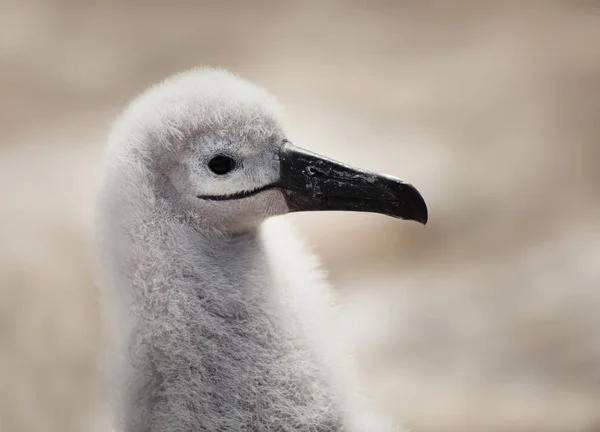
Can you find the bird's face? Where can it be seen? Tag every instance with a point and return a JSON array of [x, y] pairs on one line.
[[229, 179], [237, 183], [217, 153]]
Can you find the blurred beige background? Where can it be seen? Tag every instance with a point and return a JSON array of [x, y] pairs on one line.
[[488, 319]]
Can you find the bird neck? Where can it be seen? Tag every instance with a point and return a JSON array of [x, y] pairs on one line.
[[227, 267], [209, 340], [214, 268]]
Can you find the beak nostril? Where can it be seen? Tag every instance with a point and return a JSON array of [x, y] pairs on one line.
[[313, 171]]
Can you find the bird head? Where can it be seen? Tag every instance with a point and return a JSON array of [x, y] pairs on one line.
[[209, 145]]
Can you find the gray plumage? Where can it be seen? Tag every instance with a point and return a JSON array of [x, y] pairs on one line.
[[222, 320]]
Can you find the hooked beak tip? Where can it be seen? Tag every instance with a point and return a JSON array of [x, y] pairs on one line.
[[422, 216], [419, 212]]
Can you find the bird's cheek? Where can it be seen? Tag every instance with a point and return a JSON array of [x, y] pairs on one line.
[[274, 203], [248, 213]]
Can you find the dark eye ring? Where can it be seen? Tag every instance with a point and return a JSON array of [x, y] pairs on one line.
[[221, 164]]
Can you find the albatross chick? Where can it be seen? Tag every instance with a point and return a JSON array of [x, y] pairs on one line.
[[223, 321]]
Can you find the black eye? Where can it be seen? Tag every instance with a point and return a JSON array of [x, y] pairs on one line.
[[221, 164]]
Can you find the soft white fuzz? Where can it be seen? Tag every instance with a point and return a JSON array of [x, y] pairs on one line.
[[223, 320]]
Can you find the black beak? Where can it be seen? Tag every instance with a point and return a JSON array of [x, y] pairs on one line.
[[312, 182]]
